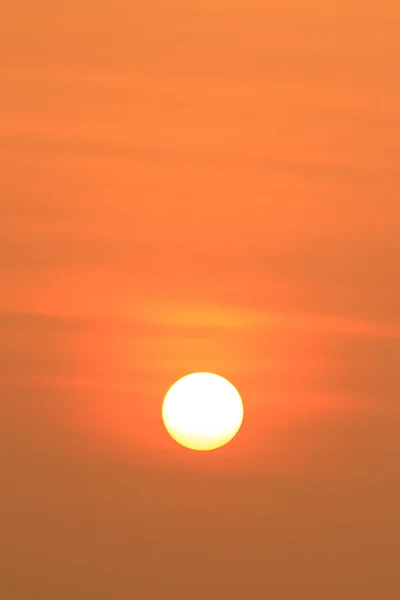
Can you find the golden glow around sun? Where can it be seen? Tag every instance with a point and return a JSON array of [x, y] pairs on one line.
[[202, 411]]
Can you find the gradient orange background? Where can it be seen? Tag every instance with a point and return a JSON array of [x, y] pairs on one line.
[[200, 186]]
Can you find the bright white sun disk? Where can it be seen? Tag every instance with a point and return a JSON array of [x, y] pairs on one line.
[[202, 411]]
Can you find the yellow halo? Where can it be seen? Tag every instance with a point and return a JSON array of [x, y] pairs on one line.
[[202, 411]]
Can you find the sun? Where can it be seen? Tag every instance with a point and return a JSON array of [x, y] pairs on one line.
[[202, 411]]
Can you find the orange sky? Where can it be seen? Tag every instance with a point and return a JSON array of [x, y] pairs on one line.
[[200, 186]]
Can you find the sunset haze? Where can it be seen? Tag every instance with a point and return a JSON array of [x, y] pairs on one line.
[[190, 187]]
